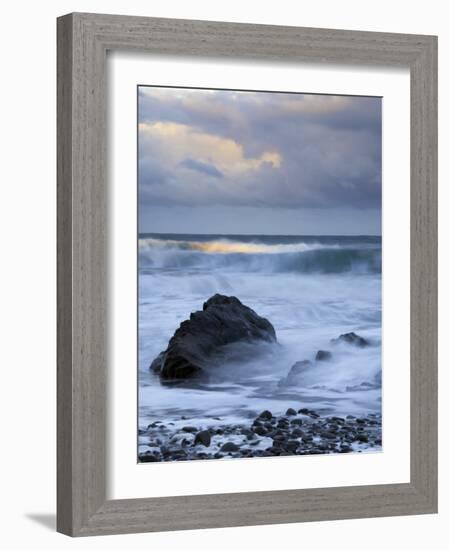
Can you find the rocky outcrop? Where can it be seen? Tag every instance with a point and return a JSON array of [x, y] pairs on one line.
[[196, 343], [351, 338], [323, 355], [294, 374]]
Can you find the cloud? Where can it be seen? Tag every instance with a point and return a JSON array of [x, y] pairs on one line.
[[202, 167], [269, 150], [173, 141]]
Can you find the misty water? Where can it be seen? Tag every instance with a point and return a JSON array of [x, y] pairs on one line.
[[312, 289]]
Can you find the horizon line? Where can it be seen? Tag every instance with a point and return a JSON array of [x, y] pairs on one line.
[[263, 234]]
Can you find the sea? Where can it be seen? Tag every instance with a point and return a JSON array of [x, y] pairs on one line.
[[311, 288]]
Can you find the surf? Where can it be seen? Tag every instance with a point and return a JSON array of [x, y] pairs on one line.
[[262, 255]]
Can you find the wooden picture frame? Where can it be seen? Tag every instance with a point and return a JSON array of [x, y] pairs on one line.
[[83, 40]]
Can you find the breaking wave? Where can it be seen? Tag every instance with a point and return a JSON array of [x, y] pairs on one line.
[[270, 257]]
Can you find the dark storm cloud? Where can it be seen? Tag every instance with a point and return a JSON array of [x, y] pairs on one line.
[[259, 149], [202, 167]]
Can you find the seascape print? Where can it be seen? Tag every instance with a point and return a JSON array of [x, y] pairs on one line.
[[259, 274]]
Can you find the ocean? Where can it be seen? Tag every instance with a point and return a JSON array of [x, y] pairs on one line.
[[311, 288]]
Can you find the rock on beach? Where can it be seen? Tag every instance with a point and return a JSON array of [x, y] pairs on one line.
[[223, 320]]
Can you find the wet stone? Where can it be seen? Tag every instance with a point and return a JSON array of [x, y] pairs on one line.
[[259, 430], [229, 447], [149, 458], [289, 435], [323, 355], [203, 438], [297, 421]]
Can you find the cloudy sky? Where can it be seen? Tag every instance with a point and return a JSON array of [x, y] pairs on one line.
[[258, 163]]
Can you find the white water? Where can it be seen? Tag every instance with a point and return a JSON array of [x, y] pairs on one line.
[[306, 307]]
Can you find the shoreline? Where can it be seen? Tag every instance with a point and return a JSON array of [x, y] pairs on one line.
[[294, 433]]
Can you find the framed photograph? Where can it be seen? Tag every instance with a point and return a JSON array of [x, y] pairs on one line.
[[247, 282]]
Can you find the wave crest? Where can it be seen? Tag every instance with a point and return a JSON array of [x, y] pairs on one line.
[[238, 256]]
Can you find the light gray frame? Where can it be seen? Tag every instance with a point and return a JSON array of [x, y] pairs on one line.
[[83, 40]]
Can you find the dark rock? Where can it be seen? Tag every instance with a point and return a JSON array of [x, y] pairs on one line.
[[283, 423], [294, 375], [364, 386], [297, 421], [179, 453], [260, 430], [329, 435], [292, 445], [189, 429], [202, 438], [269, 452], [351, 338], [291, 412], [229, 447], [154, 424], [323, 355], [266, 415], [148, 458], [223, 320]]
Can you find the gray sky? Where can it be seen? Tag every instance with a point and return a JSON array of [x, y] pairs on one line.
[[258, 163]]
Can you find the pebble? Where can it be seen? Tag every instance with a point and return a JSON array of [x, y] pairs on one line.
[[260, 430], [203, 438], [297, 421], [311, 434], [229, 447]]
